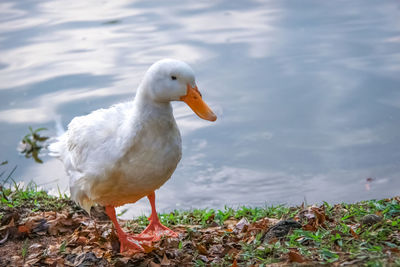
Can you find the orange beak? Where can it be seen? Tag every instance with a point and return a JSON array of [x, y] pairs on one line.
[[194, 101]]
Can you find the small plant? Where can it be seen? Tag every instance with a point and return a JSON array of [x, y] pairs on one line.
[[17, 195], [32, 143], [63, 246], [24, 250]]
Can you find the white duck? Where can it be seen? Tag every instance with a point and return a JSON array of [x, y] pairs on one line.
[[118, 155]]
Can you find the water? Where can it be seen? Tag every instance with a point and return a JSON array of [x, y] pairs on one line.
[[307, 93]]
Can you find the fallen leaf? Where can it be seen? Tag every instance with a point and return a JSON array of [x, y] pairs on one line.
[[23, 229], [35, 245], [395, 250], [10, 224], [165, 261], [234, 264], [77, 250], [32, 261], [230, 223], [49, 261], [79, 259], [153, 264], [67, 222], [202, 249], [147, 248], [309, 227], [123, 260], [203, 258], [216, 249], [262, 224], [295, 256], [98, 252], [242, 225], [33, 258], [82, 240], [320, 215], [353, 233], [251, 239]]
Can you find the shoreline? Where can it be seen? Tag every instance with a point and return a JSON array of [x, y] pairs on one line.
[[41, 230]]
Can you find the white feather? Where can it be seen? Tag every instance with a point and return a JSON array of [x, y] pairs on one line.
[[118, 155]]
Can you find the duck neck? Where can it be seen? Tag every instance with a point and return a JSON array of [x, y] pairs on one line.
[[147, 107]]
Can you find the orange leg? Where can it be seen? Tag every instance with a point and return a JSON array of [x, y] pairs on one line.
[[155, 230], [127, 242]]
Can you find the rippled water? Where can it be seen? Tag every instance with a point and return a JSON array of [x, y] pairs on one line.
[[307, 92]]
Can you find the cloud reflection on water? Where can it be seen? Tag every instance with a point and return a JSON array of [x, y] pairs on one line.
[[305, 93]]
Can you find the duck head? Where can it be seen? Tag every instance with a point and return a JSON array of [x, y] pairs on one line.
[[173, 80]]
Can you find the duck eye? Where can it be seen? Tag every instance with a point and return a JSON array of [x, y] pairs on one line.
[[173, 77]]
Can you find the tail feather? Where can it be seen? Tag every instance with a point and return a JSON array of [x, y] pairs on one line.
[[55, 149], [79, 195], [56, 145]]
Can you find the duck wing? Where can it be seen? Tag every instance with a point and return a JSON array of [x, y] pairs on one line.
[[95, 141]]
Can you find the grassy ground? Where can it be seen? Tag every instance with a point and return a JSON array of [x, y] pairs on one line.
[[40, 230]]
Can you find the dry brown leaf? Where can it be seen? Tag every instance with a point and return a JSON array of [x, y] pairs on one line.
[[60, 262], [307, 213], [32, 261], [202, 249], [124, 260], [49, 261], [147, 249], [395, 250], [67, 222], [242, 225], [153, 264], [98, 252], [319, 214], [234, 264], [33, 258], [203, 258], [233, 251], [262, 224], [87, 248], [35, 246], [52, 229], [210, 229], [216, 249], [53, 249], [230, 223], [310, 227], [62, 229], [107, 255], [129, 253], [10, 224], [79, 259], [24, 229], [251, 239], [165, 261], [353, 233], [15, 258], [295, 256], [81, 240], [77, 250], [273, 240]]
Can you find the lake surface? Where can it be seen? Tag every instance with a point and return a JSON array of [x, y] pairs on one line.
[[307, 93]]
